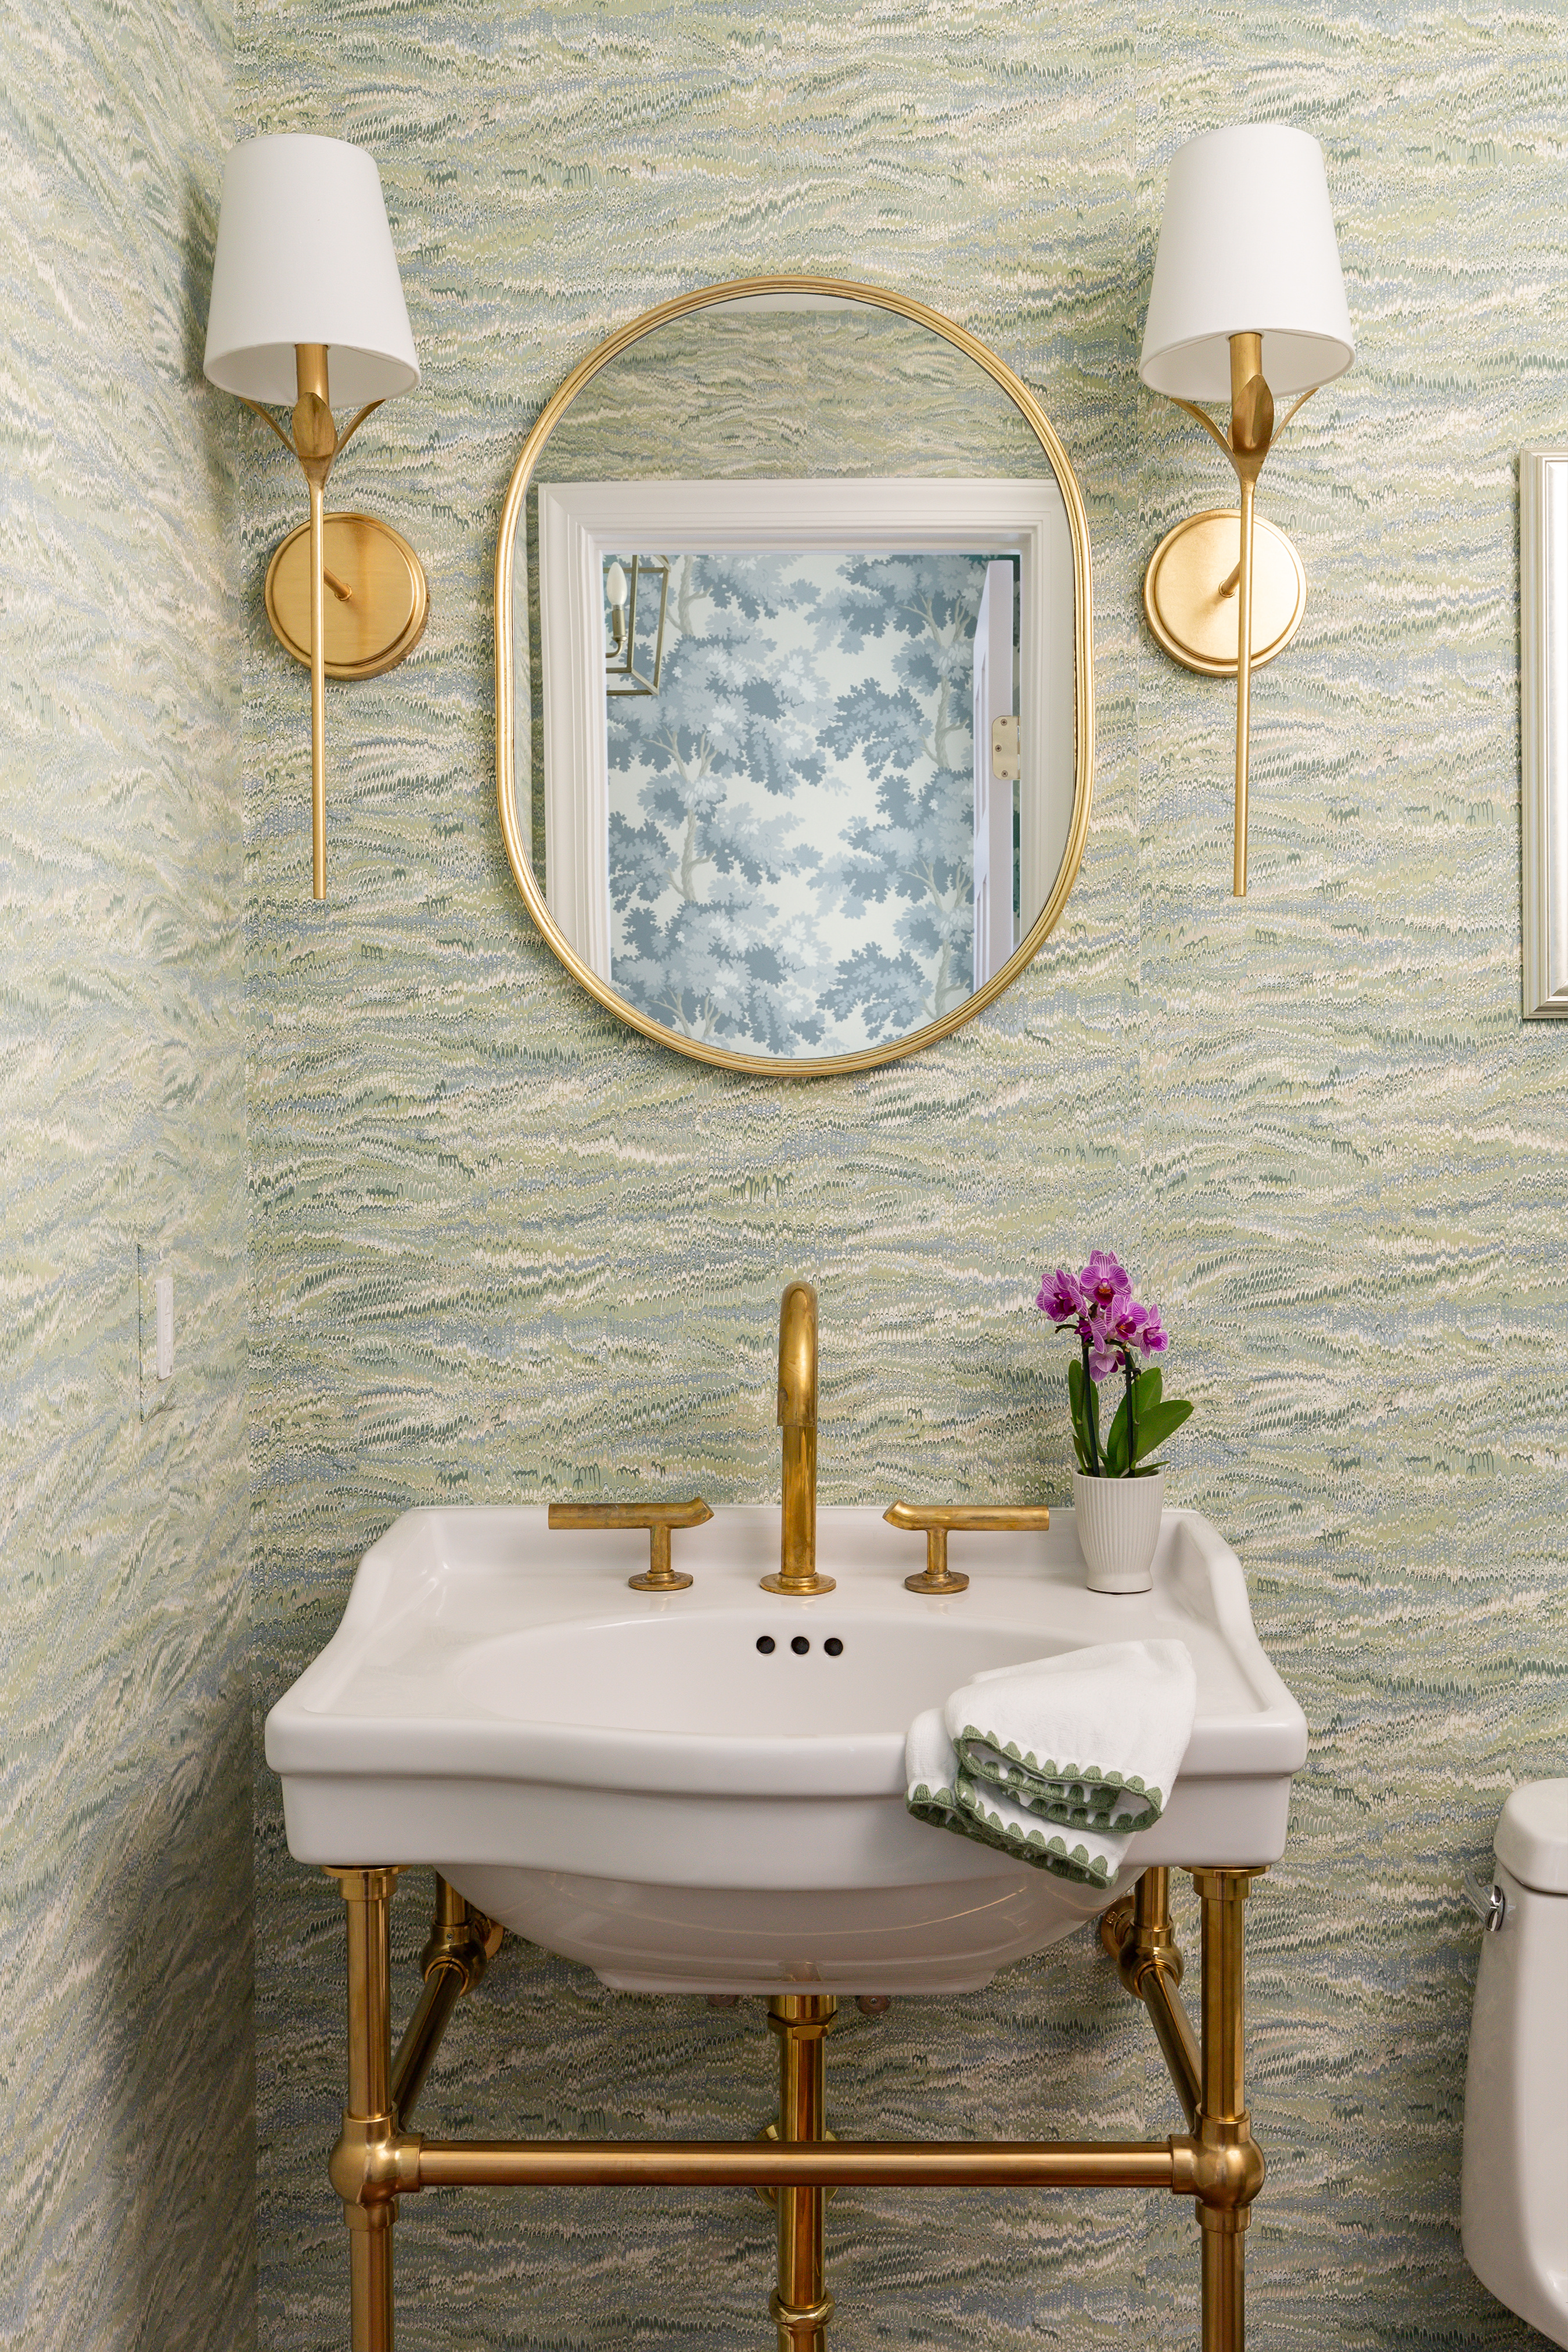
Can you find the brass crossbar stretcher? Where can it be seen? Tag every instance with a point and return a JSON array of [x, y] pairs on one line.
[[1216, 2161]]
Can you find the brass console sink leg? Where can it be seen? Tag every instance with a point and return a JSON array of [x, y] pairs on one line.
[[800, 2305], [1228, 2167], [370, 2202]]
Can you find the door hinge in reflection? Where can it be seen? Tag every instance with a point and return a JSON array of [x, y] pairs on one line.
[[1006, 763]]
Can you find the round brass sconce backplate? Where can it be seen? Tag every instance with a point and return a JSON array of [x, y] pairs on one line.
[[376, 600], [1189, 591]]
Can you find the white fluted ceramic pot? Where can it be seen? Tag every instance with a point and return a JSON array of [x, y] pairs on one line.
[[1118, 1528]]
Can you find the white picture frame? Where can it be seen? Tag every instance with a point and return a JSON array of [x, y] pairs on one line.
[[1543, 729], [580, 522]]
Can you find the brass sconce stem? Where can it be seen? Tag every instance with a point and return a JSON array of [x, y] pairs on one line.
[[315, 444], [1251, 430], [1243, 684], [1180, 602], [318, 694]]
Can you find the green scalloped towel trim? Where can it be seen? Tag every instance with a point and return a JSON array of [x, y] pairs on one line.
[[1076, 1796], [963, 1810]]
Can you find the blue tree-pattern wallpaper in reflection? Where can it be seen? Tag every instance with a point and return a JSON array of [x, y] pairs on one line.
[[792, 814]]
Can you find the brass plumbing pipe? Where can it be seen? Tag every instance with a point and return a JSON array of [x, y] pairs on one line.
[[460, 1942], [1138, 1935]]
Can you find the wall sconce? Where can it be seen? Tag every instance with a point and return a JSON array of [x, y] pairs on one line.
[[306, 303], [1248, 301], [621, 674]]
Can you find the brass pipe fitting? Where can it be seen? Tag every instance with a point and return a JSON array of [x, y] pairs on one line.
[[460, 1937], [1227, 2172], [374, 2163], [461, 1940], [1139, 1936]]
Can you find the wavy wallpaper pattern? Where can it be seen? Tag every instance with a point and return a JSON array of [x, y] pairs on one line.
[[126, 2080], [502, 1249]]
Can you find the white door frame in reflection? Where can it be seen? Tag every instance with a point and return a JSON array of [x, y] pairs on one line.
[[582, 523], [788, 292]]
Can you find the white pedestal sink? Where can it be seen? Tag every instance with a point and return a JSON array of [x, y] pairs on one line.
[[630, 1780]]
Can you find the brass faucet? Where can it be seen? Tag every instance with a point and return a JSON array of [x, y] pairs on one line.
[[798, 1419]]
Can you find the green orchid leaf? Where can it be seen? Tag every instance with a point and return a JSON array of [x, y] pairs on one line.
[[1116, 1444], [1160, 1423]]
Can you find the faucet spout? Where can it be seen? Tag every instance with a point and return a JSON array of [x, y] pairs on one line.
[[798, 1419]]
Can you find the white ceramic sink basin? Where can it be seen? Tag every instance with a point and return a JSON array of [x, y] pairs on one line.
[[625, 1779]]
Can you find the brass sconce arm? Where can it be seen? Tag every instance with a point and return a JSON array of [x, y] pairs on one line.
[[304, 263], [316, 443], [1253, 433], [1247, 234]]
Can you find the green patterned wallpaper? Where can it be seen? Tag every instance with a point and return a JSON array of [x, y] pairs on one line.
[[126, 2218], [502, 1249]]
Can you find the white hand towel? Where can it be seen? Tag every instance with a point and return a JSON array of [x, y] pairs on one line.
[[1090, 1742], [940, 1792]]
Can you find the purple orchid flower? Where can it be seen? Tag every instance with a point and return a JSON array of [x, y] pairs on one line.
[[1061, 1297], [1104, 1281], [1155, 1338], [1117, 1334]]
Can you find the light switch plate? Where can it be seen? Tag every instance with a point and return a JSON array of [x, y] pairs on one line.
[[154, 1274]]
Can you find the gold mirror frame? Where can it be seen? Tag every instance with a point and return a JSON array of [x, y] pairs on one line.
[[517, 854]]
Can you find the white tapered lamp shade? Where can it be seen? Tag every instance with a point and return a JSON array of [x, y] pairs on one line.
[[304, 266], [1246, 246], [304, 256], [1247, 281]]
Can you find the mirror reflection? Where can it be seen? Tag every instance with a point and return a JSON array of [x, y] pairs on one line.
[[798, 760]]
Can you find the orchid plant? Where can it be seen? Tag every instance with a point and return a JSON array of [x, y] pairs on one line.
[[1116, 1335]]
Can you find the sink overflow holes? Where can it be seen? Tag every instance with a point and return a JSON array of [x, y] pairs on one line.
[[800, 1645]]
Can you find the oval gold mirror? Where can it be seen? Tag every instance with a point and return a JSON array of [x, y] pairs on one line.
[[794, 716]]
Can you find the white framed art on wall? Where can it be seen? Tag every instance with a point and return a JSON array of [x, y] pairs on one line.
[[1543, 728]]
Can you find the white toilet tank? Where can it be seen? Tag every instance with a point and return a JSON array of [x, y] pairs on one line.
[[1514, 2194]]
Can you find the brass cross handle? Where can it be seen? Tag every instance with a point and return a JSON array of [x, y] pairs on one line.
[[937, 1520], [658, 1519]]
